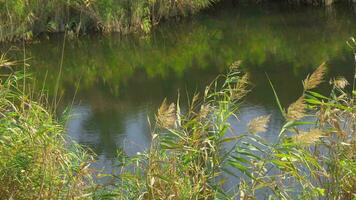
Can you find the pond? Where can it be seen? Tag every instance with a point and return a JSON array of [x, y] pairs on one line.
[[113, 83]]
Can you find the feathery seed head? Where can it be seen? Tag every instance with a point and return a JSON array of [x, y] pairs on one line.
[[166, 115], [308, 137], [204, 111], [296, 110], [259, 124], [339, 82], [315, 78], [240, 89]]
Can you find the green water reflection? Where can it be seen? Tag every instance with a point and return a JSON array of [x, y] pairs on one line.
[[122, 79]]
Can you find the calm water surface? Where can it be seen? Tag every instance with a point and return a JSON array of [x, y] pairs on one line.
[[119, 81]]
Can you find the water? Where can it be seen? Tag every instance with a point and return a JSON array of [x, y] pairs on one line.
[[119, 81]]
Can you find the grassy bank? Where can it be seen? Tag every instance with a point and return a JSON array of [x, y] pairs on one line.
[[23, 19], [27, 18]]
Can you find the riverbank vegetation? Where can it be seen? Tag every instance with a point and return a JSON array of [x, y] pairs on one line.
[[195, 152], [196, 44], [193, 155], [23, 19], [36, 159]]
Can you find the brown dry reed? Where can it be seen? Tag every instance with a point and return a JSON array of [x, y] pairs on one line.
[[259, 124], [296, 110], [313, 80], [308, 137]]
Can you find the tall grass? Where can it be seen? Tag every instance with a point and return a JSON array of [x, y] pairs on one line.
[[36, 159], [195, 151], [23, 18], [193, 154]]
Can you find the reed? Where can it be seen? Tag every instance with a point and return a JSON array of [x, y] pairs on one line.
[[22, 19], [330, 136], [37, 161], [193, 154], [194, 151]]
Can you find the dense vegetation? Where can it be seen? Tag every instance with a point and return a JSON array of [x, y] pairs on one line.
[[23, 18], [195, 152], [26, 18], [201, 43], [36, 161], [190, 156]]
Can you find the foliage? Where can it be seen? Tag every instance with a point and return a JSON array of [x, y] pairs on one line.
[[197, 45], [36, 161], [194, 151], [22, 18], [190, 156]]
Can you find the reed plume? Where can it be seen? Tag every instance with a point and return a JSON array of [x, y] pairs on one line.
[[166, 115], [315, 78], [259, 124], [296, 110], [204, 111], [308, 137], [340, 82], [241, 88]]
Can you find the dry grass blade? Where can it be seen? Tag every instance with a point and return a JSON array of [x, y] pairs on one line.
[[5, 62], [315, 78], [166, 115], [259, 124], [296, 110], [194, 100], [309, 137]]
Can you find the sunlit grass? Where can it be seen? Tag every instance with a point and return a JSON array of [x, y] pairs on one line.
[[22, 19], [36, 159], [194, 150], [187, 158]]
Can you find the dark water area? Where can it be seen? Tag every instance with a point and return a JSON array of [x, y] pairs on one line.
[[113, 83]]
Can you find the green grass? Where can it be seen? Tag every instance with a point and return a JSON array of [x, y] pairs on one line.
[[188, 158], [36, 159], [193, 153], [22, 18]]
